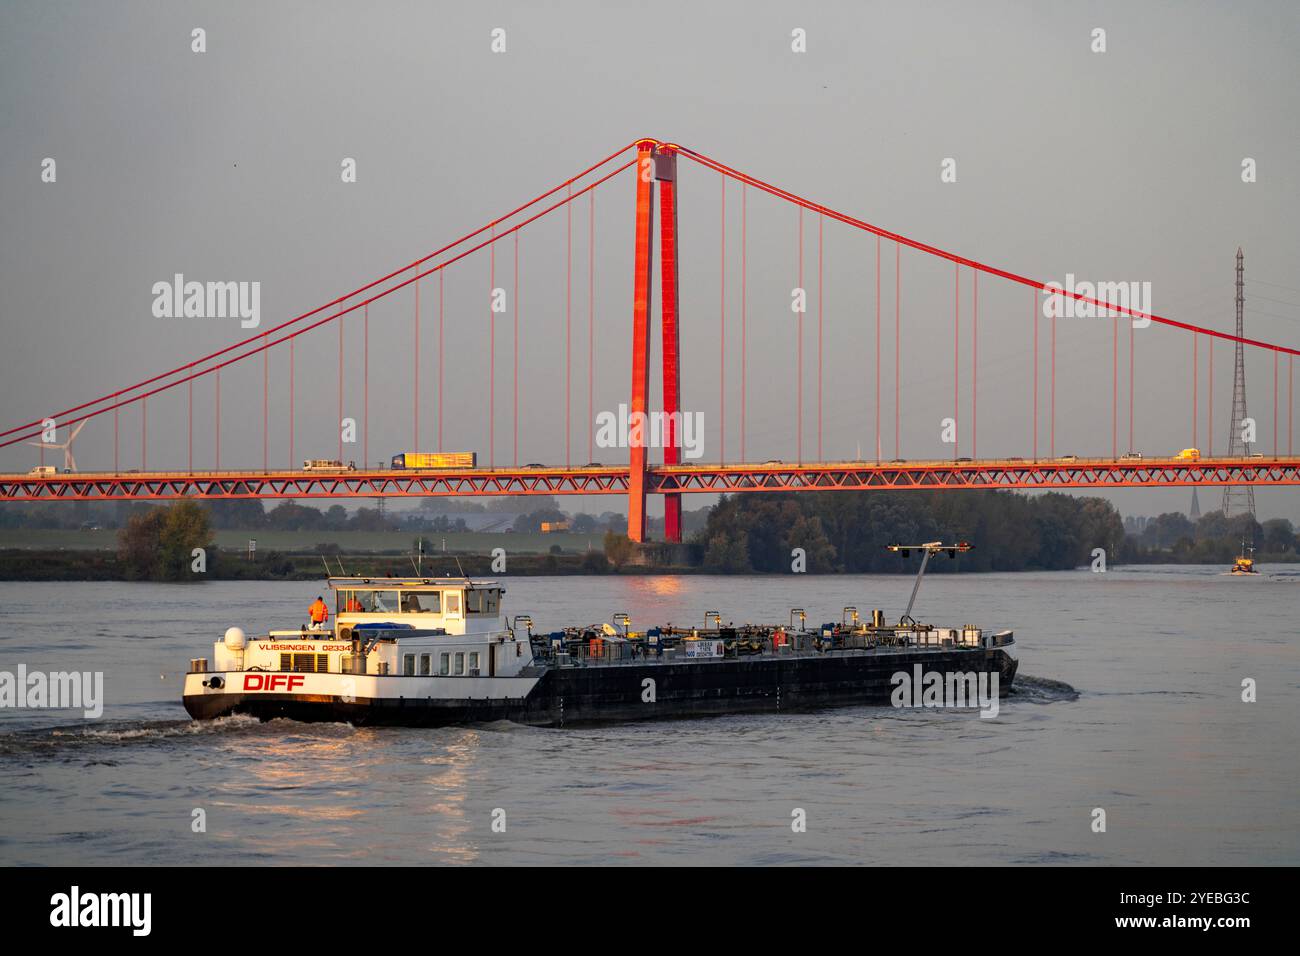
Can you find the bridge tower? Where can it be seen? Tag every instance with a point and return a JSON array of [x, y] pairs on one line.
[[656, 163], [1239, 499], [666, 174], [640, 379]]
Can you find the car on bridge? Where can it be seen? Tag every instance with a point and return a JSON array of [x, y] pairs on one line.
[[1189, 454]]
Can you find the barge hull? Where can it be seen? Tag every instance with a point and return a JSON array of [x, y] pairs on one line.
[[568, 696]]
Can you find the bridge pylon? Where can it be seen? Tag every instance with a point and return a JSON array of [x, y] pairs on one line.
[[641, 291], [656, 163], [666, 174]]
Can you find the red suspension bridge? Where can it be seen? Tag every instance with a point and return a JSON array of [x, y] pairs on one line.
[[654, 167]]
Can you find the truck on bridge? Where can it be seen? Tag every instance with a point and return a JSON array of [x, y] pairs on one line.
[[427, 459]]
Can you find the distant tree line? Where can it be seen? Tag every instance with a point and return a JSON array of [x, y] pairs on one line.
[[849, 531], [1174, 538], [436, 515]]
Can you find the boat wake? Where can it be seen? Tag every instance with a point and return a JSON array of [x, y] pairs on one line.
[[1041, 690], [34, 742]]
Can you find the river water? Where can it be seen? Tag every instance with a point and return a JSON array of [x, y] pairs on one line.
[[1155, 733]]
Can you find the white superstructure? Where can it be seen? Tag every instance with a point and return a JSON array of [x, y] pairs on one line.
[[446, 632]]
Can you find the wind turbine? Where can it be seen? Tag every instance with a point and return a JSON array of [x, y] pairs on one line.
[[69, 463]]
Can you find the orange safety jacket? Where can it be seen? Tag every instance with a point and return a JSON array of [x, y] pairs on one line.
[[318, 612]]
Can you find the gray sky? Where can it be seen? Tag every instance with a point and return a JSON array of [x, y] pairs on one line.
[[225, 165]]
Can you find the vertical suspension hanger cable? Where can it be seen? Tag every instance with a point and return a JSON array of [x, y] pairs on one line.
[[877, 350], [744, 309], [821, 222], [441, 354], [1196, 367], [1033, 316], [365, 385], [515, 343], [338, 424], [956, 359], [492, 349], [798, 388], [722, 328], [415, 376], [266, 393], [1275, 445], [1051, 441], [1209, 402], [591, 323], [898, 349], [1114, 388], [291, 408], [568, 324]]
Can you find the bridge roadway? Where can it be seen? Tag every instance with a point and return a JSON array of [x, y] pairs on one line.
[[691, 478]]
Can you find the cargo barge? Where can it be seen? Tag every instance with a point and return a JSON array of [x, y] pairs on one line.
[[431, 651]]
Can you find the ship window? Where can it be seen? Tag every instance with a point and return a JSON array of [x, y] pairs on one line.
[[408, 665], [453, 603], [473, 663], [444, 664], [381, 602], [356, 602], [482, 601], [426, 665], [420, 602], [460, 663]]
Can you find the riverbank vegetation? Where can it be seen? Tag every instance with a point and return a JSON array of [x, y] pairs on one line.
[[848, 531], [819, 532]]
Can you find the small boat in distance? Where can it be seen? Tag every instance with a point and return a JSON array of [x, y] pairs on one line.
[[1245, 564]]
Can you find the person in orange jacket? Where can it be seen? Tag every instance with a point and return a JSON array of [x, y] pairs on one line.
[[319, 613], [353, 606]]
